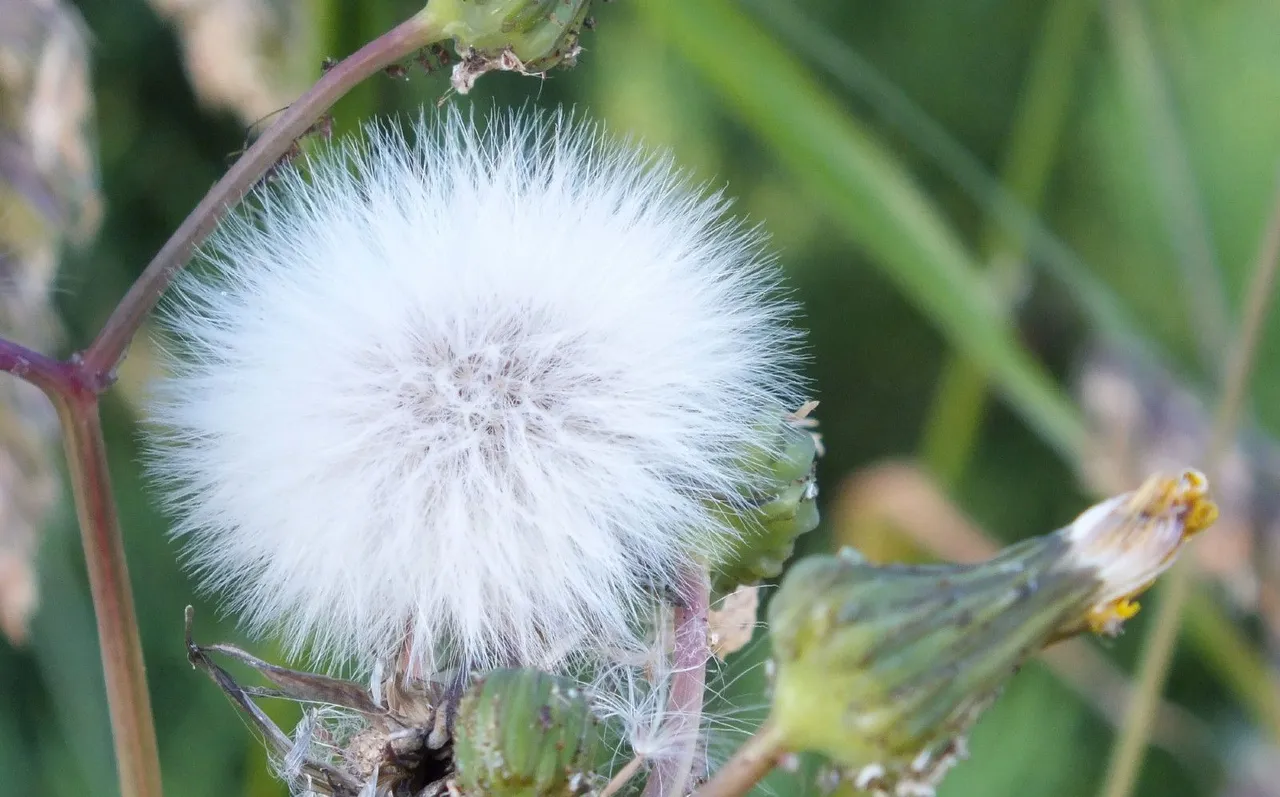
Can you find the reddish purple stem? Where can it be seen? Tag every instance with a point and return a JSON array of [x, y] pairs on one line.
[[54, 377], [671, 775]]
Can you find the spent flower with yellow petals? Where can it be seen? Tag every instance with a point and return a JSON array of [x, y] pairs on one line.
[[884, 668], [1131, 539]]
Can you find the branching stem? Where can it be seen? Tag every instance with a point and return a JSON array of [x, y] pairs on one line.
[[748, 766], [55, 378]]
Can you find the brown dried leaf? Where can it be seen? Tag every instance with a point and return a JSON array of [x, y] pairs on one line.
[[48, 196], [251, 57], [732, 622]]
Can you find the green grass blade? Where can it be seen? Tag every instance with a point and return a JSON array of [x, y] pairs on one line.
[[877, 204], [1173, 181]]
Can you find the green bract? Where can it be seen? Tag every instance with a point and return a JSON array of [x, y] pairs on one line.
[[783, 509], [528, 36], [524, 733], [884, 668]]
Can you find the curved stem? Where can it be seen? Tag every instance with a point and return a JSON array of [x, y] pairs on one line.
[[122, 664], [1129, 751], [748, 766], [670, 776], [101, 358]]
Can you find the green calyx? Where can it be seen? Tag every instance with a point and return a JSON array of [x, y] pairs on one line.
[[884, 668], [781, 503], [539, 33], [524, 733]]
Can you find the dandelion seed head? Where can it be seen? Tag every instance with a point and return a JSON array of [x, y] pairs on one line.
[[468, 393]]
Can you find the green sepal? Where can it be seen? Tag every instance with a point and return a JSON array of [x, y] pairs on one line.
[[778, 504], [541, 33], [524, 733], [881, 666]]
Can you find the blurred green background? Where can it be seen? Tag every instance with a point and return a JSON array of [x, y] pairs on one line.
[[1003, 183]]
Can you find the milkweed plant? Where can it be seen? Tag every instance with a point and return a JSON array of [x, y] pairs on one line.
[[492, 412]]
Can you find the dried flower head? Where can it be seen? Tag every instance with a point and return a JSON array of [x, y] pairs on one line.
[[1129, 540], [474, 398]]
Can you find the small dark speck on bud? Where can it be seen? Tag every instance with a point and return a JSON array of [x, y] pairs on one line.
[[589, 23], [328, 63]]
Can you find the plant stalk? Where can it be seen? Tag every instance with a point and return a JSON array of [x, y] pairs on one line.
[[748, 766], [55, 378], [106, 351], [128, 700], [1130, 749], [670, 776]]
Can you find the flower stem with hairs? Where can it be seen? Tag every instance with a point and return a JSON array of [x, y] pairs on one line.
[[670, 778]]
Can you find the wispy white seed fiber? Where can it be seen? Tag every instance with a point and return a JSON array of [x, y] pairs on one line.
[[466, 392]]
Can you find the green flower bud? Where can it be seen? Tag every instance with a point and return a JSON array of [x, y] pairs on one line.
[[783, 508], [883, 668], [524, 733], [527, 36]]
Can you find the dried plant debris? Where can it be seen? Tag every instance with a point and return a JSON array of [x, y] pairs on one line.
[[732, 621], [250, 57], [48, 197], [352, 741]]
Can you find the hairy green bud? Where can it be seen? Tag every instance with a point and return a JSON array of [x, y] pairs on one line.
[[884, 668], [524, 733], [527, 36], [783, 509]]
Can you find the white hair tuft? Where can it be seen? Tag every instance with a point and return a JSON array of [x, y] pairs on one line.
[[468, 393]]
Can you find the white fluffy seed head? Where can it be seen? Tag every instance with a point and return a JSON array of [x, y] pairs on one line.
[[467, 394]]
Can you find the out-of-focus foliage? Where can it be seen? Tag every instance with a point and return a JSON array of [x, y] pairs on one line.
[[1155, 180], [250, 57], [48, 197]]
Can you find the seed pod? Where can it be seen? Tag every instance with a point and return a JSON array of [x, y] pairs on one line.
[[785, 507], [524, 733], [883, 668], [528, 36]]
